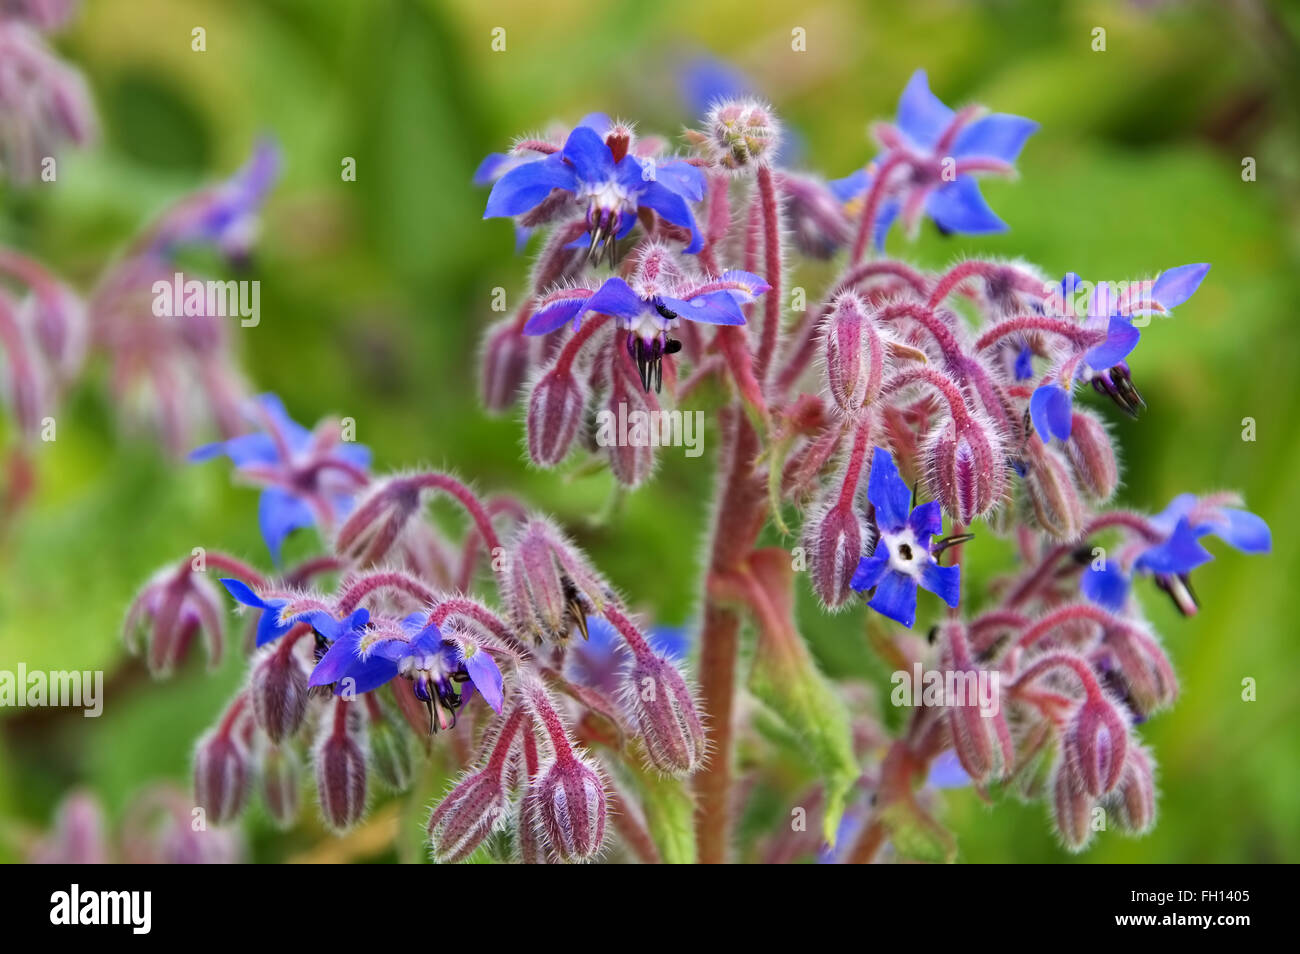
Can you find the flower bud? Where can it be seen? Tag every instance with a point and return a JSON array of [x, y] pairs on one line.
[[980, 737], [1094, 745], [1092, 457], [1143, 668], [1071, 808], [567, 806], [279, 776], [221, 775], [626, 443], [377, 522], [340, 759], [471, 811], [742, 133], [504, 365], [663, 708], [965, 468], [854, 354], [814, 216], [390, 754], [1052, 493], [174, 607], [1135, 797], [550, 587], [278, 688], [834, 538], [555, 411], [79, 836]]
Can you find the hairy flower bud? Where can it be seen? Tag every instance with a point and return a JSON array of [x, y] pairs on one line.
[[1142, 667], [278, 688], [340, 759], [550, 586], [1134, 799], [278, 778], [834, 539], [1051, 492], [1094, 745], [1071, 808], [626, 442], [555, 411], [221, 775], [174, 607], [741, 133], [663, 708], [79, 836], [567, 806], [980, 736], [504, 364], [854, 355], [1092, 457], [472, 810], [965, 468]]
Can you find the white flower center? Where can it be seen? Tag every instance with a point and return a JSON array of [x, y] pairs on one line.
[[906, 556]]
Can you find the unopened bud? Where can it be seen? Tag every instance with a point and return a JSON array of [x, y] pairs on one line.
[[340, 760], [568, 809], [504, 365], [221, 775], [278, 688], [555, 411], [1092, 456], [471, 811], [854, 354], [663, 708], [279, 782], [1135, 796], [965, 468], [834, 538], [1094, 745], [550, 586], [631, 461], [1143, 668], [1071, 809], [1051, 492], [981, 738], [742, 133]]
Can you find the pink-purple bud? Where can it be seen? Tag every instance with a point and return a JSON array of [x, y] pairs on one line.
[[221, 775], [1092, 456], [555, 412], [663, 708], [1134, 800], [79, 836], [173, 608], [1051, 492], [550, 587], [567, 806], [340, 760], [834, 538], [1071, 808], [278, 779], [854, 355], [741, 133], [1142, 667], [1094, 745], [278, 688], [631, 460], [981, 738], [504, 365], [965, 468], [472, 810]]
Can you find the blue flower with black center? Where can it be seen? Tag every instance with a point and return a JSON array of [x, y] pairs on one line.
[[613, 185], [903, 558]]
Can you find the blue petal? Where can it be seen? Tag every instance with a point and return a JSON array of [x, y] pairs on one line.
[[946, 772], [483, 670], [1024, 369], [525, 186], [243, 592], [705, 81], [554, 315], [674, 209], [671, 641], [1121, 338], [943, 581], [1106, 587], [682, 177], [925, 521], [279, 513], [616, 298], [1176, 285], [922, 116], [1245, 531], [598, 121], [885, 217], [366, 674], [358, 455], [294, 434], [851, 186], [888, 492], [870, 570], [715, 308], [590, 156], [1000, 136], [338, 659], [959, 206], [602, 638], [896, 598], [756, 283], [1178, 554], [490, 166], [1178, 508], [1050, 410], [243, 450]]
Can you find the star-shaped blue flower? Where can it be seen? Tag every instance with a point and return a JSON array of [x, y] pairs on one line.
[[614, 185], [902, 559]]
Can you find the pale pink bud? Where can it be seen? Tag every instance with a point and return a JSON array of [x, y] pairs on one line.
[[1092, 456], [1134, 800], [1142, 667], [471, 811], [504, 364], [390, 754], [1051, 492], [663, 708], [742, 133], [834, 538], [854, 355], [1094, 745], [174, 607], [555, 412], [278, 688], [568, 808], [1071, 808], [79, 836], [340, 759]]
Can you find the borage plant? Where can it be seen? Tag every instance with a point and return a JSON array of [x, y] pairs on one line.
[[904, 415]]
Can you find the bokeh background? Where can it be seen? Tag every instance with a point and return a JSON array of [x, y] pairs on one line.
[[374, 294]]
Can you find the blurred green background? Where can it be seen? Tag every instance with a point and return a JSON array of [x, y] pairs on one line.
[[375, 292]]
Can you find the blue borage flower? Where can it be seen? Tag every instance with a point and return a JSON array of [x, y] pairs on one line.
[[614, 186], [270, 626], [309, 477], [599, 660], [943, 149], [1184, 522], [649, 307], [903, 557], [366, 653], [1103, 365]]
